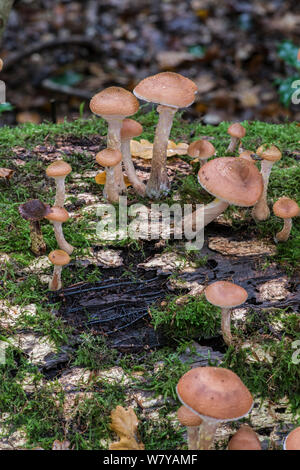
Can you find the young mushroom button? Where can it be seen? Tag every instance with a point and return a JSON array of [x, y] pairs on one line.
[[110, 158], [292, 441], [217, 395], [244, 439], [59, 170], [170, 91], [115, 104], [58, 258], [192, 421], [286, 209], [129, 130], [236, 132], [202, 150]]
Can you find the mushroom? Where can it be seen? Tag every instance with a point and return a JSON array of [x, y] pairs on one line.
[[114, 104], [236, 132], [216, 395], [292, 441], [286, 209], [247, 155], [35, 211], [202, 150], [232, 181], [58, 258], [226, 295], [244, 439], [192, 422], [58, 215], [269, 155], [170, 91], [59, 170], [130, 129], [110, 158]]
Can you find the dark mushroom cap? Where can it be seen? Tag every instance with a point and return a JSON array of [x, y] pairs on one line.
[[214, 392], [34, 210], [234, 180]]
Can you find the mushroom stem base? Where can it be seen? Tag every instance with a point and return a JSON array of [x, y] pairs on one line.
[[284, 234], [38, 245], [193, 437], [114, 142], [261, 210], [55, 283]]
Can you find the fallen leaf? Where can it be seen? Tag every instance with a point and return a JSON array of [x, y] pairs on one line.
[[101, 179], [144, 149], [125, 423], [6, 173], [27, 116]]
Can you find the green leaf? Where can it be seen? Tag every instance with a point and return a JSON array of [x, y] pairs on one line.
[[4, 107], [198, 51], [68, 78], [288, 51]]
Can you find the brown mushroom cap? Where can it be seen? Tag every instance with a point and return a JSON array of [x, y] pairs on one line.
[[236, 130], [234, 180], [244, 439], [59, 257], [114, 101], [58, 168], [57, 214], [225, 294], [109, 157], [1, 64], [167, 88], [130, 128], [201, 149], [271, 154], [246, 154], [286, 208], [34, 210], [187, 418], [292, 441], [214, 392]]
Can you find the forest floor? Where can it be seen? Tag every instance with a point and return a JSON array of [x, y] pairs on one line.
[[65, 370]]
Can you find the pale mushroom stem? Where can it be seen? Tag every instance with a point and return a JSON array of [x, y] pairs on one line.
[[261, 210], [192, 437], [38, 245], [111, 191], [207, 432], [233, 144], [61, 241], [55, 283], [158, 183], [137, 184], [114, 142], [225, 325], [208, 212], [60, 191], [284, 234]]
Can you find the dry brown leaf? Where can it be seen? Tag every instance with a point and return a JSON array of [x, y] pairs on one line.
[[144, 148], [101, 179], [125, 423], [6, 173]]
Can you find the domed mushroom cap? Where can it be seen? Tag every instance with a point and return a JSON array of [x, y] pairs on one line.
[[109, 157], [214, 392], [225, 294], [34, 210], [286, 208], [246, 154], [59, 257], [130, 128], [57, 214], [58, 168], [292, 441], [187, 418], [236, 130], [201, 149], [114, 101], [167, 88], [244, 439], [234, 180], [272, 153]]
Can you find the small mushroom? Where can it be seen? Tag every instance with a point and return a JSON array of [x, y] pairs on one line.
[[35, 211], [244, 439], [57, 216], [110, 158], [170, 91], [247, 155], [226, 295], [115, 104], [269, 155], [192, 422], [292, 441], [236, 132], [286, 209], [202, 150], [129, 130], [216, 395], [58, 258], [59, 170]]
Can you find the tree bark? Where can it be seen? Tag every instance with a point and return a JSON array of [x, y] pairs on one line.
[[5, 7]]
